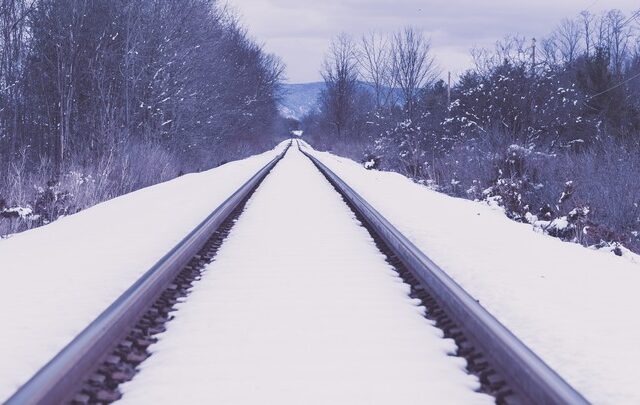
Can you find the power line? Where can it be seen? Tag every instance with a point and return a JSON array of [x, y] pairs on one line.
[[616, 86], [634, 15]]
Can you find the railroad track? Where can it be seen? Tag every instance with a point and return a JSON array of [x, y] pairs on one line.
[[109, 350]]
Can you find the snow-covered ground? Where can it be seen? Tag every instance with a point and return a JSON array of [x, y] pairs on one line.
[[300, 307], [573, 306], [58, 278]]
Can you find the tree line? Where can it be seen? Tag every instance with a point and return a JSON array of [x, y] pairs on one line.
[[125, 93], [546, 128]]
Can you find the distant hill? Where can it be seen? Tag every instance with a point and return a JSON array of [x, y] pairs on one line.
[[300, 99]]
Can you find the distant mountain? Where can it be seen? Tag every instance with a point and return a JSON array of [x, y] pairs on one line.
[[300, 99]]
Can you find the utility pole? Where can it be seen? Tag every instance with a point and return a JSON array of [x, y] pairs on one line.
[[533, 57], [449, 89]]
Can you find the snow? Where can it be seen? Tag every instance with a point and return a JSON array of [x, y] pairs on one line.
[[267, 310], [575, 307], [369, 164], [21, 212], [300, 307], [58, 278]]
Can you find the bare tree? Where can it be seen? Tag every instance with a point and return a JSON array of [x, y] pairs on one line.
[[414, 65], [483, 60], [91, 76], [13, 36], [617, 37], [587, 30], [567, 38], [549, 50], [340, 74], [375, 62], [512, 49]]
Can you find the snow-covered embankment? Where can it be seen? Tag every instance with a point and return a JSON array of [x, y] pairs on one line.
[[575, 307], [58, 278]]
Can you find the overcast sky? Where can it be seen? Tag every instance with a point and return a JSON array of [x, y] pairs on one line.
[[299, 31]]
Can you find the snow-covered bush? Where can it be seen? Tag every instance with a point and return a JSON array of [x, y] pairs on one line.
[[553, 144], [52, 201], [13, 218]]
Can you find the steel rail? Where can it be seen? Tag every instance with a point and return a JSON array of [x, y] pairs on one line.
[[63, 375], [530, 378]]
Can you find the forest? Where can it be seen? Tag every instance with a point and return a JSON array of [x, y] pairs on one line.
[[546, 129], [100, 98]]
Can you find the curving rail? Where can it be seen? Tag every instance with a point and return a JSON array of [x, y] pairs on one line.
[[62, 376], [531, 379]]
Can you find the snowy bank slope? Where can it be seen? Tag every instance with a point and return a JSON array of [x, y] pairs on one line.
[[573, 306], [58, 278]]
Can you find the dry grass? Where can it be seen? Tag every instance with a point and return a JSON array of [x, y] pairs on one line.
[[118, 171]]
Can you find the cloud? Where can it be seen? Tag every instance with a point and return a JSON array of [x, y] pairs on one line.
[[299, 31]]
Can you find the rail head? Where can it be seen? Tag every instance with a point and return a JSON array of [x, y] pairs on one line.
[[527, 374], [63, 375]]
